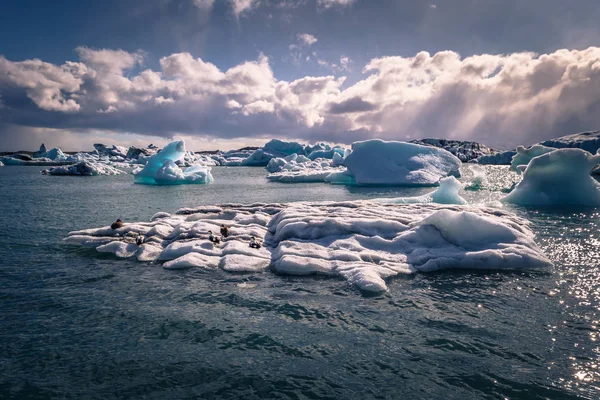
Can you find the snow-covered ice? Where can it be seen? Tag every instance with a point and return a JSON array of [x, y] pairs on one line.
[[560, 177], [378, 162], [363, 242], [84, 168], [162, 170]]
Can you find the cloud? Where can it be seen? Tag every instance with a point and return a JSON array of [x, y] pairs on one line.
[[239, 7], [352, 105], [306, 39], [204, 4], [325, 4], [500, 100]]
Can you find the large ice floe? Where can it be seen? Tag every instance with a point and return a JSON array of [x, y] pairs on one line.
[[84, 168], [378, 162], [363, 242], [161, 169], [560, 177]]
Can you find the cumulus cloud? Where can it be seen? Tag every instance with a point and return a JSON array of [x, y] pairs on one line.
[[239, 7], [333, 3], [306, 39], [501, 100]]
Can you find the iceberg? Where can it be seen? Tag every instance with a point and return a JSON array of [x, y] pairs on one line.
[[298, 168], [56, 154], [377, 162], [525, 155], [162, 170], [84, 168], [362, 242], [1, 165], [558, 178]]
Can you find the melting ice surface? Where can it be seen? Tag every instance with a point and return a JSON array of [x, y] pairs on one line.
[[378, 162], [162, 170], [363, 242]]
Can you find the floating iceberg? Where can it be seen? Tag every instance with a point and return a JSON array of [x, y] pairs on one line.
[[1, 165], [84, 168], [447, 193], [298, 168], [362, 242], [525, 155], [377, 162], [560, 177], [162, 170]]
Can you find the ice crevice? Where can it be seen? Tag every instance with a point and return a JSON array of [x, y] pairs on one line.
[[363, 242]]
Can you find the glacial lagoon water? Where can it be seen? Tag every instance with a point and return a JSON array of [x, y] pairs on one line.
[[77, 324]]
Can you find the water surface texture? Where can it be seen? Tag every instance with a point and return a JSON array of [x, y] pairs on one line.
[[77, 324]]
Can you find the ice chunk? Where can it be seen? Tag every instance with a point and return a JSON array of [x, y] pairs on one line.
[[561, 177], [56, 154], [298, 168], [84, 168], [162, 170], [363, 242], [524, 155], [1, 165], [377, 162]]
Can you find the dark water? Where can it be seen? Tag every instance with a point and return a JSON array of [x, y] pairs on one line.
[[76, 324]]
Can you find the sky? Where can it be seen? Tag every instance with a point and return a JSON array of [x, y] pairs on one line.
[[224, 74]]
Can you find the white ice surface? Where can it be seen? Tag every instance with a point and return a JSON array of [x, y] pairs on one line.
[[363, 242], [377, 162], [84, 168], [295, 168]]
